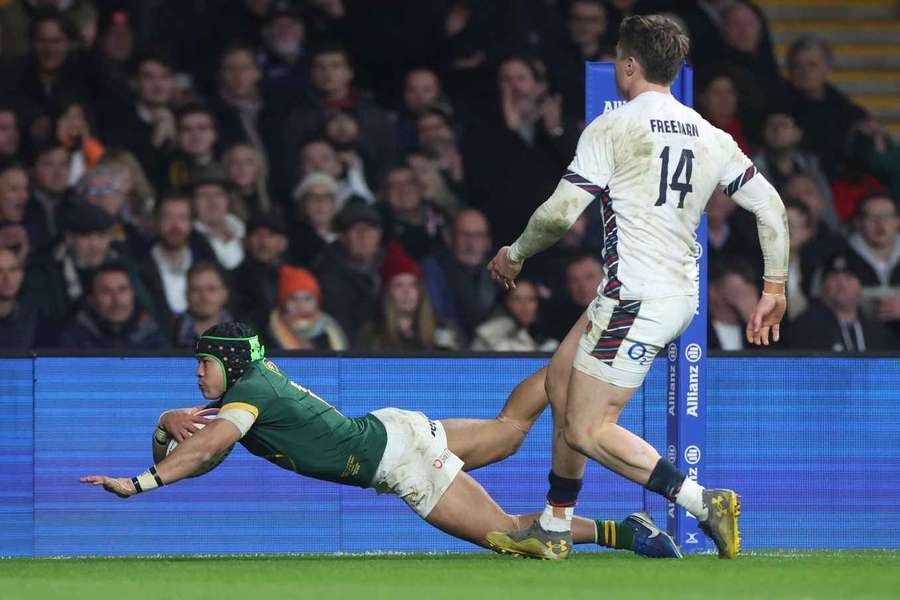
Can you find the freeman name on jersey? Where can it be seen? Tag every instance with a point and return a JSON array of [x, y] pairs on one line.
[[660, 126]]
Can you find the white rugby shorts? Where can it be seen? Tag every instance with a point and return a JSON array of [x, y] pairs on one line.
[[623, 337], [417, 465]]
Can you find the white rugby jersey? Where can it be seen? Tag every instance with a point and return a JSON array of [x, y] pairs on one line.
[[653, 164]]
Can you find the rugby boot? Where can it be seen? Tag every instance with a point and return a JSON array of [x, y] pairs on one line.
[[649, 540], [532, 542], [721, 525]]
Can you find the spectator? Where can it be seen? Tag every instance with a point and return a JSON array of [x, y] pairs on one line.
[[13, 193], [164, 269], [320, 156], [19, 321], [409, 220], [207, 295], [879, 154], [196, 144], [140, 197], [106, 186], [331, 75], [421, 92], [703, 19], [223, 230], [315, 204], [803, 264], [732, 297], [243, 113], [298, 323], [407, 321], [582, 273], [727, 239], [824, 114], [456, 278], [835, 323], [435, 190], [110, 318], [50, 184], [72, 129], [284, 60], [438, 141], [10, 136], [781, 156], [255, 289], [748, 48], [146, 127], [16, 16], [57, 281], [588, 40], [348, 269], [532, 131], [803, 188], [52, 72], [518, 329], [245, 167], [874, 256], [112, 54], [718, 103]]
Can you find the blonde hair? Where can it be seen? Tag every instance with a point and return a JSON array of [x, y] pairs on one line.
[[142, 199], [262, 174]]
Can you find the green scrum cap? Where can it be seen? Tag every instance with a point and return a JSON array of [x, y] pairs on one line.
[[234, 354]]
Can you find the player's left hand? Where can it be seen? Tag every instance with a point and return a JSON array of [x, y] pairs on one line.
[[766, 318], [120, 486], [503, 269]]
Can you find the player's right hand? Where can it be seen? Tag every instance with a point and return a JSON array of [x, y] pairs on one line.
[[766, 318], [180, 423], [503, 269]]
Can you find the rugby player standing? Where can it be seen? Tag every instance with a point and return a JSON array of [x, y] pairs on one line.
[[652, 163]]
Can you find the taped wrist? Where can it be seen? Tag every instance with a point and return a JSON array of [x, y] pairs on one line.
[[148, 480], [161, 436]]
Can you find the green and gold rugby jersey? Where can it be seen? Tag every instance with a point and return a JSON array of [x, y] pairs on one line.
[[298, 431]]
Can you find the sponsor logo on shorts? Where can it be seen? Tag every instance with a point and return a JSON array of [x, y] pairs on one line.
[[673, 351], [692, 455], [637, 351], [671, 453], [437, 463], [692, 538], [698, 250], [433, 428], [693, 352]]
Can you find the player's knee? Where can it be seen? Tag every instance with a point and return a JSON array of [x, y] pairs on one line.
[[578, 437], [513, 437]]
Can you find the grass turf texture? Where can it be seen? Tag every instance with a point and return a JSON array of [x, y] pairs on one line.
[[770, 575]]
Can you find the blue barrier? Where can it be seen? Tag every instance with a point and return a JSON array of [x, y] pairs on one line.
[[813, 444]]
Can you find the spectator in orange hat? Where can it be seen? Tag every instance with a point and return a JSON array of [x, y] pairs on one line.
[[298, 323], [407, 322]]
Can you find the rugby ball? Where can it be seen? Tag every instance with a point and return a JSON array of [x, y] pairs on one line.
[[215, 461]]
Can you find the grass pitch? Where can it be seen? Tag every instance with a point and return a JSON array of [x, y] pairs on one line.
[[620, 576]]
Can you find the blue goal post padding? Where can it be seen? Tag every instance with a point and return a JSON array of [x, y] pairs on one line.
[[686, 356]]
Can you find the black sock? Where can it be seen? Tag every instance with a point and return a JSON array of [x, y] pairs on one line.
[[665, 480], [563, 491]]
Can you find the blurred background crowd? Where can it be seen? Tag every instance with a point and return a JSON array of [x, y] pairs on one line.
[[338, 172]]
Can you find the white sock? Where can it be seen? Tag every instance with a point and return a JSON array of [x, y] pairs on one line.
[[557, 518], [690, 496]]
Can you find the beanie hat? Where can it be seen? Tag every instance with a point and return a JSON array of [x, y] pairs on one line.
[[398, 262], [294, 279]]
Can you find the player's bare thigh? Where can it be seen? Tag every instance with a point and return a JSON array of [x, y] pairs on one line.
[[560, 368], [467, 511]]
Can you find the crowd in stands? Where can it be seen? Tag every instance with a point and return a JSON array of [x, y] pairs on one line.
[[338, 172]]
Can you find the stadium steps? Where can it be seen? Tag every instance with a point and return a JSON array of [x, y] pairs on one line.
[[866, 39]]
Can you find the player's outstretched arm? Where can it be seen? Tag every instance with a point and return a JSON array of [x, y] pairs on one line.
[[547, 225], [759, 197], [193, 453]]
